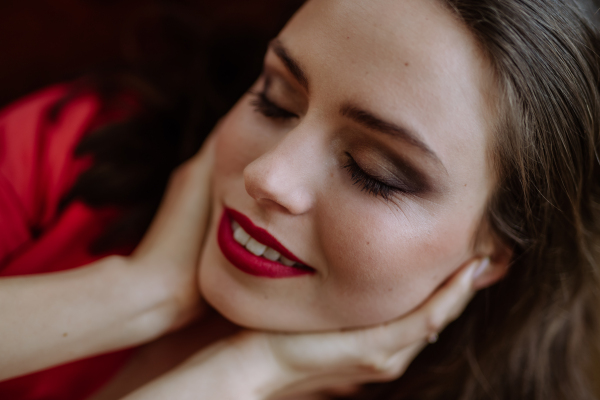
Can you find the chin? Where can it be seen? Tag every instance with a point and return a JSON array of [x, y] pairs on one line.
[[244, 307], [232, 313], [251, 315], [255, 310], [259, 307]]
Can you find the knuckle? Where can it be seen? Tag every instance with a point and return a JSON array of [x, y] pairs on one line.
[[375, 364], [182, 170], [454, 314], [433, 323], [120, 261], [393, 372], [384, 368]]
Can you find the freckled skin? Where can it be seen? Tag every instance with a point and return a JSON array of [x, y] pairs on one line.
[[375, 259]]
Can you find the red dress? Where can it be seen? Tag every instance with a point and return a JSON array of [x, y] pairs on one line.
[[37, 168]]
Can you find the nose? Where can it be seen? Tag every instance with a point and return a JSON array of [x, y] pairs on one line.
[[287, 176]]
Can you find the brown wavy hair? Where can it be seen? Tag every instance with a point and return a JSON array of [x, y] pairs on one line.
[[533, 335]]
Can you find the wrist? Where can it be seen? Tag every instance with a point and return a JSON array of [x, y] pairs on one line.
[[245, 363], [149, 300], [217, 371], [236, 368]]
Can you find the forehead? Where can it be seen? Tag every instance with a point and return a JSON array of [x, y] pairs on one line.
[[410, 61]]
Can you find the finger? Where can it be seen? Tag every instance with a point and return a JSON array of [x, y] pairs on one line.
[[347, 379], [387, 368], [397, 364], [178, 227]]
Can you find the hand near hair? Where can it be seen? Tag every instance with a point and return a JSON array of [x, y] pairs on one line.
[[255, 365]]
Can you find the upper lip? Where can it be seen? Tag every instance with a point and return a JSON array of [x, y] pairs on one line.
[[262, 235]]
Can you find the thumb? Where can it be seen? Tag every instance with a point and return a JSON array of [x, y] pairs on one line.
[[178, 229]]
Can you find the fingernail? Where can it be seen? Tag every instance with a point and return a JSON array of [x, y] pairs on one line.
[[482, 268]]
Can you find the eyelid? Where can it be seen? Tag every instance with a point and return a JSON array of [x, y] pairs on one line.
[[367, 182], [398, 175], [373, 151], [287, 88], [270, 109]]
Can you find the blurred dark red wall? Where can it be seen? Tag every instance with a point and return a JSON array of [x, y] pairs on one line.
[[47, 41]]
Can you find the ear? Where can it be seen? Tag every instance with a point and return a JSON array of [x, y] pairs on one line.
[[500, 256]]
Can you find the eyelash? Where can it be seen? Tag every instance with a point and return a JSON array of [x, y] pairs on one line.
[[266, 107], [366, 182]]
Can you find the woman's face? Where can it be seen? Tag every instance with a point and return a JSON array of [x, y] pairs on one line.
[[361, 149]]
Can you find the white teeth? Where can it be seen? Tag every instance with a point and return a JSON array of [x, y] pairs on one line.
[[271, 254], [241, 236], [286, 261], [255, 247]]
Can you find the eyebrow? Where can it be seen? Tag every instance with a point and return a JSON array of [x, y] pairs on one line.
[[291, 64], [372, 122], [358, 115]]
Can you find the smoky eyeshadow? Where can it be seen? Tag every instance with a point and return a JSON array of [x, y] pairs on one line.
[[392, 169], [278, 87]]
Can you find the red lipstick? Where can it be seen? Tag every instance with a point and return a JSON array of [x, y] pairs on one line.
[[248, 262]]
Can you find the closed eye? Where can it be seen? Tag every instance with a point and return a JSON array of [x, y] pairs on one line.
[[269, 108], [368, 183]]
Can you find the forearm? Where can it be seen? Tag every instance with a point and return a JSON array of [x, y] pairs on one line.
[[50, 319]]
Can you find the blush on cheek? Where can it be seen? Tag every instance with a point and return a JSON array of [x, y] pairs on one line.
[[385, 267]]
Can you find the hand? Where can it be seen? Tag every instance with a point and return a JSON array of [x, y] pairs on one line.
[[310, 362], [170, 249], [115, 302], [255, 365]]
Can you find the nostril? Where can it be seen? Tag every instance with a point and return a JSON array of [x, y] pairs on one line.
[[256, 182], [267, 203]]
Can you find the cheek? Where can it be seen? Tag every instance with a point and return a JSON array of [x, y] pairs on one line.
[[385, 261]]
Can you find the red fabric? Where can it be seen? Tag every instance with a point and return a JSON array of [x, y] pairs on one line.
[[37, 168]]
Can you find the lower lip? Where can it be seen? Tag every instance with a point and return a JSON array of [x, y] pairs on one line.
[[248, 262]]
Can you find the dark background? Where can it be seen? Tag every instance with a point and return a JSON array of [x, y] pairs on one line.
[[48, 41]]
